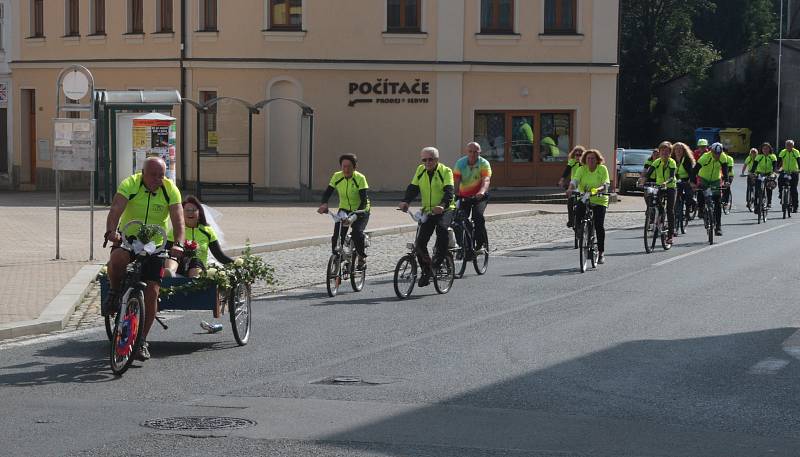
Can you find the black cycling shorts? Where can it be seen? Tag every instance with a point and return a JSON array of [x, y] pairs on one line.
[[153, 268], [185, 265]]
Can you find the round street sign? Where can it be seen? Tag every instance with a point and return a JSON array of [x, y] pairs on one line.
[[75, 85]]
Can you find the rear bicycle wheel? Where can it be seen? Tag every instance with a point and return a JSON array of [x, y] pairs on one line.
[[127, 335], [481, 261], [664, 236], [444, 275], [333, 277], [405, 276], [240, 312], [649, 228]]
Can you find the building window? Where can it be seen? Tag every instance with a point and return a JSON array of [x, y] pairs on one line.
[[164, 16], [98, 17], [560, 16], [403, 16], [37, 18], [208, 15], [136, 17], [497, 16], [207, 124], [285, 14], [72, 18], [512, 136], [556, 136]]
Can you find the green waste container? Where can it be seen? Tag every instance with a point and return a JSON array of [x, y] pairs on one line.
[[736, 140]]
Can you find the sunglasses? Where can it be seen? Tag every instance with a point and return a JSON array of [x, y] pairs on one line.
[[191, 210], [428, 159]]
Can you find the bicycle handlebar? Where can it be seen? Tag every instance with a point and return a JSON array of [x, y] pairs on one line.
[[136, 249]]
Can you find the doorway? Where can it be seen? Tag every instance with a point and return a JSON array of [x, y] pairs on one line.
[[28, 162]]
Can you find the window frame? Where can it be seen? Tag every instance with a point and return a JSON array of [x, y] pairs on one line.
[[559, 29], [206, 7], [203, 121], [162, 25], [135, 20], [98, 18], [272, 27], [404, 28], [537, 156], [72, 18], [512, 30], [36, 19]]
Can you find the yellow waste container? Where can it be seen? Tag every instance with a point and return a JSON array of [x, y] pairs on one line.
[[736, 140]]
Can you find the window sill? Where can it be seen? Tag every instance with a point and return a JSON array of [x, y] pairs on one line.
[[284, 35], [133, 38], [98, 38], [35, 41], [404, 37], [163, 37], [498, 39], [71, 40], [206, 36], [561, 37]]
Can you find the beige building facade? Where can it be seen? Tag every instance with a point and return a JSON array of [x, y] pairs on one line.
[[528, 79]]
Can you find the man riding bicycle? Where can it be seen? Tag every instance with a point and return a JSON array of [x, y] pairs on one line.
[[471, 175], [151, 198], [434, 182], [788, 163], [712, 172]]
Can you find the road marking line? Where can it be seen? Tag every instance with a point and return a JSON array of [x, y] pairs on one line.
[[768, 366], [714, 246]]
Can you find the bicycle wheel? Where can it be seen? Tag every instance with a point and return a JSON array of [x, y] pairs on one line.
[[239, 311], [786, 203], [405, 276], [657, 228], [583, 247], [481, 261], [709, 216], [593, 254], [727, 203], [463, 254], [444, 275], [664, 235], [357, 276], [333, 275], [649, 227], [109, 321], [127, 337]]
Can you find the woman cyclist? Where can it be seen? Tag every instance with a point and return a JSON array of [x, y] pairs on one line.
[[573, 163], [684, 159], [664, 169], [765, 163], [351, 187], [746, 171], [200, 238], [593, 177]]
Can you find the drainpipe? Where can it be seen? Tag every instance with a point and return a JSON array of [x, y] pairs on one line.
[[184, 143]]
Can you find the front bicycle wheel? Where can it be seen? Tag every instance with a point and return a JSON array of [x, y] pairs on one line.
[[709, 217], [127, 336], [786, 204], [664, 236], [444, 275], [358, 276], [593, 254], [649, 229], [583, 247], [463, 254], [405, 276], [333, 275], [481, 261], [240, 311]]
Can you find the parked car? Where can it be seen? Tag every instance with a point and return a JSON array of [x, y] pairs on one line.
[[630, 165]]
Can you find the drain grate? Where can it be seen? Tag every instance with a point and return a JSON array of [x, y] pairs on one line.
[[198, 423]]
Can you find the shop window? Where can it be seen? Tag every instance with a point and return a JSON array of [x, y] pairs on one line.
[[207, 124], [490, 133], [560, 16], [403, 16], [37, 18], [497, 16], [72, 18], [164, 16], [285, 14], [556, 136], [98, 17], [136, 17], [208, 15]]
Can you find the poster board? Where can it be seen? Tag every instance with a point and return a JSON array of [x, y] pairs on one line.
[[154, 135], [74, 144]]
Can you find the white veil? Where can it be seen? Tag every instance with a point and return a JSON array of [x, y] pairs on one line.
[[212, 216]]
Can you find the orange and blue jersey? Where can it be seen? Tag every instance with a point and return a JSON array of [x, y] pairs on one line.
[[471, 176]]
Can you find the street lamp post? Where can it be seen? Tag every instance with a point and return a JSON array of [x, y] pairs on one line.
[[780, 61]]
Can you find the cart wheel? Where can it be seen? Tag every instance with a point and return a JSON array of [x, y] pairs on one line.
[[239, 310]]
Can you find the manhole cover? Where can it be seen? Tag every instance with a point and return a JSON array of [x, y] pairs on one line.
[[355, 381], [198, 423]]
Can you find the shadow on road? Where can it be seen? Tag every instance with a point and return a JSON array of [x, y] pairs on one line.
[[689, 397]]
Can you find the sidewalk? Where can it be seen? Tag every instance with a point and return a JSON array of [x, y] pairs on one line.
[[32, 280]]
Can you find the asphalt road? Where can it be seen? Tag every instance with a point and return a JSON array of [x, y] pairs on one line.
[[689, 352]]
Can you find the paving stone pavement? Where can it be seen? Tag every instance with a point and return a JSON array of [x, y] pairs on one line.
[[304, 267]]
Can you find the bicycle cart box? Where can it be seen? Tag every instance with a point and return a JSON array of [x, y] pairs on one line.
[[205, 299]]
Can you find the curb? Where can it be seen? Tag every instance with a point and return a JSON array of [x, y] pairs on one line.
[[58, 312]]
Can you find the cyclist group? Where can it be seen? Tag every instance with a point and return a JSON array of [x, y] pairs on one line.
[[438, 187]]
